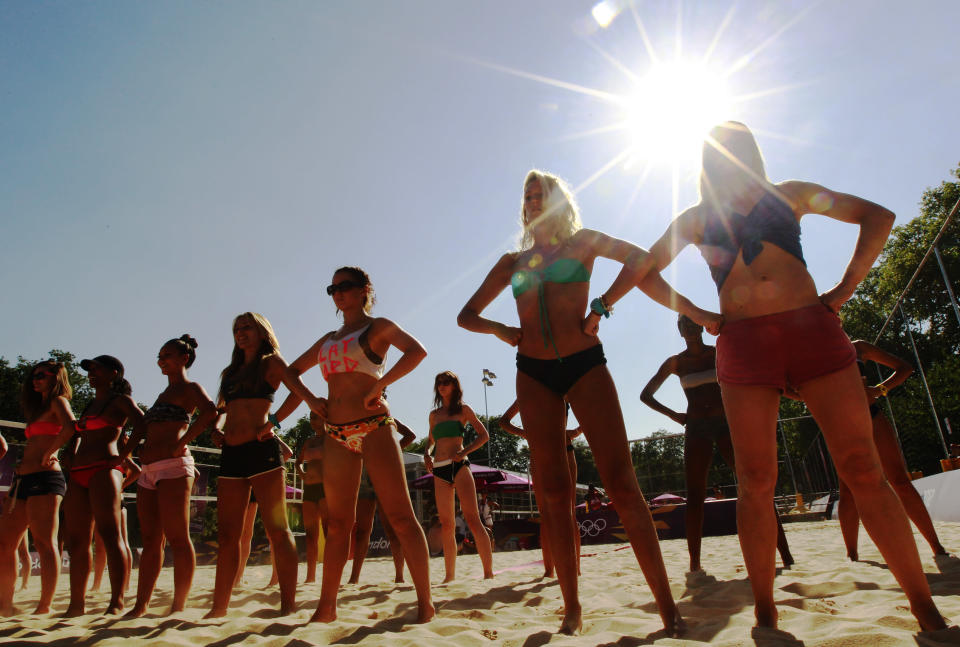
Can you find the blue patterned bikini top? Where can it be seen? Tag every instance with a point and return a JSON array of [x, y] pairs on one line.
[[771, 220], [562, 270]]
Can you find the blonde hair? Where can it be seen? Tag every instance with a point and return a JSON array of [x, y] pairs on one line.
[[558, 203], [36, 404], [268, 346], [731, 160]]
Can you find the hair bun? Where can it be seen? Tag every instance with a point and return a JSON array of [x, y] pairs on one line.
[[189, 341]]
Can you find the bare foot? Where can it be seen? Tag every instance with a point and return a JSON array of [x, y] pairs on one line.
[[930, 619], [114, 609], [8, 610], [310, 580], [572, 622], [398, 579], [352, 581], [426, 612], [788, 559], [324, 614], [548, 573], [853, 557], [41, 609], [766, 617], [215, 613], [273, 581], [676, 627], [137, 611], [74, 611], [448, 579], [488, 575]]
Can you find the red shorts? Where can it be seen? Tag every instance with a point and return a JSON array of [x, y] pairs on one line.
[[784, 348]]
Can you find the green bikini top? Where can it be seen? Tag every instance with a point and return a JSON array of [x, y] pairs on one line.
[[562, 270], [447, 429]]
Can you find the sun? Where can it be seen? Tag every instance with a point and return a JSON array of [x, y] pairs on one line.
[[671, 108]]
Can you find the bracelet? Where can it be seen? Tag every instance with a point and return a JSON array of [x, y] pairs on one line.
[[883, 390], [599, 306], [272, 419]]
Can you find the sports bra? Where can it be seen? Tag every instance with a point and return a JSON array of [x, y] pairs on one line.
[[166, 412], [42, 428], [771, 220], [693, 380], [562, 270], [233, 388], [350, 354], [447, 429]]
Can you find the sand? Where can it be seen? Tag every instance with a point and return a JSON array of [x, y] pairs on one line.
[[824, 600]]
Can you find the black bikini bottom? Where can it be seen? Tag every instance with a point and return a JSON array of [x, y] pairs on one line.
[[448, 472], [250, 459], [559, 375]]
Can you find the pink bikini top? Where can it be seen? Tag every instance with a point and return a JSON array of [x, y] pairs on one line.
[[42, 428], [351, 354]]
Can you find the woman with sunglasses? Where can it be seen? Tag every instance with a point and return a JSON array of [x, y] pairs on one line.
[[252, 459], [780, 334], [33, 501], [451, 470], [359, 431], [561, 360], [166, 480], [96, 476]]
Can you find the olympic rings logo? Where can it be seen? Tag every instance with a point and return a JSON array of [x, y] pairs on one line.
[[591, 527]]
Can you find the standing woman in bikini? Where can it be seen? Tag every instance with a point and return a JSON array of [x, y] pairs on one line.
[[163, 493], [252, 458], [510, 428], [39, 486], [451, 470], [704, 424], [560, 358], [779, 332], [96, 476], [360, 432], [310, 465], [891, 459]]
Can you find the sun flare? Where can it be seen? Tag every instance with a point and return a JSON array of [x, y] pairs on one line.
[[672, 108]]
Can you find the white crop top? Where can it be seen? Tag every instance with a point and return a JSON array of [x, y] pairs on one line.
[[351, 354], [693, 380]]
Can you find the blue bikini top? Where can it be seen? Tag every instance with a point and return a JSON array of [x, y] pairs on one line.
[[562, 270], [771, 220]]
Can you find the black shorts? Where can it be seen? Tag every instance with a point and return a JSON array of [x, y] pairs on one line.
[[313, 492], [250, 459], [713, 429], [39, 484], [560, 374]]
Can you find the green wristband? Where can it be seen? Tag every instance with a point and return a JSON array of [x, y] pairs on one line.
[[272, 418]]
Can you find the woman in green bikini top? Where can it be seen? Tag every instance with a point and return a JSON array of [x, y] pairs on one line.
[[451, 470]]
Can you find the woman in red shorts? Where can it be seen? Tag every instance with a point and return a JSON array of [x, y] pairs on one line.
[[779, 333]]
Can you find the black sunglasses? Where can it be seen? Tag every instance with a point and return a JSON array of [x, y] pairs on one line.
[[342, 286]]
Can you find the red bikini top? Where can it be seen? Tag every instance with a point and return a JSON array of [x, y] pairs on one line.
[[42, 428], [89, 423]]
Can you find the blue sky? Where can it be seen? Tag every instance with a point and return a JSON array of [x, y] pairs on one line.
[[165, 166]]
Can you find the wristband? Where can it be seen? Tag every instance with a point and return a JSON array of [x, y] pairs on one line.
[[272, 419], [883, 390], [597, 306]]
